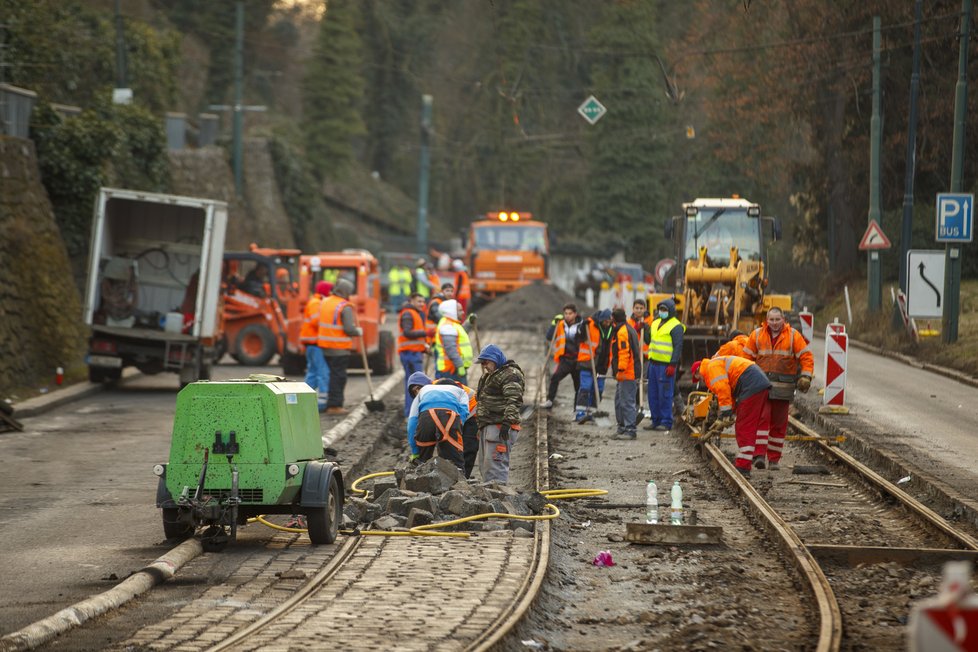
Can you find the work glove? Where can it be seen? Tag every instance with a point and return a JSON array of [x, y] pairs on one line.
[[557, 319], [472, 318], [671, 370], [414, 459], [804, 384], [725, 420], [504, 433], [359, 331]]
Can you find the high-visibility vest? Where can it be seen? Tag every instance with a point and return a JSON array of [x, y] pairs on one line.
[[464, 347], [590, 343], [309, 333], [400, 281], [784, 359], [405, 343], [331, 275], [733, 347], [721, 376], [660, 346], [560, 340], [626, 357], [331, 333], [420, 287], [462, 289], [638, 326]]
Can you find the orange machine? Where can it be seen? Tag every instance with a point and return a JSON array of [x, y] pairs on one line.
[[261, 302], [360, 267], [506, 251]]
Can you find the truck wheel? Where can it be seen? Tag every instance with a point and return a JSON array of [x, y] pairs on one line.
[[255, 345], [173, 527], [383, 361], [293, 364], [104, 375], [324, 522]]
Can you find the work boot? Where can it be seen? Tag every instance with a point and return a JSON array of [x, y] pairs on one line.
[[744, 472], [624, 436], [760, 462], [662, 428], [773, 466], [546, 405], [336, 411], [649, 426]]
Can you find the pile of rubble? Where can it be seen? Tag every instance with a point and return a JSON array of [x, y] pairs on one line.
[[529, 308], [434, 492]]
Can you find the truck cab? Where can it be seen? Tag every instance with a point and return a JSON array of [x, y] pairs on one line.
[[506, 251]]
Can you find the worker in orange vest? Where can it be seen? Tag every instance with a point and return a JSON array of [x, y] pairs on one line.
[[594, 340], [734, 346], [626, 356], [741, 388], [411, 341], [784, 355], [337, 329], [317, 372], [641, 322], [463, 289], [563, 333]]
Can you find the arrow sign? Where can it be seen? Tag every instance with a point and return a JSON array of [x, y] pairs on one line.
[[926, 280], [874, 238]]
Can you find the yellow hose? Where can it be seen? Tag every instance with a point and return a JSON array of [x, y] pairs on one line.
[[381, 474]]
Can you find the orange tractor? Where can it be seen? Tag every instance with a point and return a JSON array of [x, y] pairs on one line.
[[262, 303], [363, 270]]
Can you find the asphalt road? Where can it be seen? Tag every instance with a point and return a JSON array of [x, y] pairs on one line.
[[77, 493]]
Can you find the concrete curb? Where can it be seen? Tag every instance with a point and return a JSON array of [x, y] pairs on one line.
[[136, 584], [46, 402]]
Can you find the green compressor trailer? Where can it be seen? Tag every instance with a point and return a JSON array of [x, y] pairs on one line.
[[243, 448]]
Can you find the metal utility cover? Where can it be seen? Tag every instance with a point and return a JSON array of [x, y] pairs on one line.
[[925, 283]]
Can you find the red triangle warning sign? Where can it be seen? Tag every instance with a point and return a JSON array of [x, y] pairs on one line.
[[874, 238]]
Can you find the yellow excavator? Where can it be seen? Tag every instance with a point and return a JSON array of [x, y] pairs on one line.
[[721, 274]]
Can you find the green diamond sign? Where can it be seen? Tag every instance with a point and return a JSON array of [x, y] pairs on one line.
[[592, 110]]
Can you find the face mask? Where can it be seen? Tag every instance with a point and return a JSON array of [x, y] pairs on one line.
[[664, 314]]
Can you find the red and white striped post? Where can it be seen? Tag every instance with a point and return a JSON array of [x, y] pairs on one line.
[[807, 320], [836, 354]]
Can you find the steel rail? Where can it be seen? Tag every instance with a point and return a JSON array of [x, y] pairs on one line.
[[911, 504], [830, 615]]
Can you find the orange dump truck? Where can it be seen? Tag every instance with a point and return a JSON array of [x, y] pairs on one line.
[[506, 251]]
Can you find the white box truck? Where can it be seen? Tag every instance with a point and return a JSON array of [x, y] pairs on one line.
[[152, 296]]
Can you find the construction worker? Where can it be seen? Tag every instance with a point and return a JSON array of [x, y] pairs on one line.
[[411, 341], [317, 372], [665, 348], [337, 328], [784, 355], [256, 281], [432, 315], [463, 289], [626, 358], [563, 333], [499, 399], [435, 420], [398, 285], [734, 346], [593, 357], [421, 282], [470, 426], [453, 351], [741, 388], [640, 321]]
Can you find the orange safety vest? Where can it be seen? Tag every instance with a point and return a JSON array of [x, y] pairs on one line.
[[445, 430], [560, 340], [331, 333], [780, 359], [590, 343], [462, 290], [721, 376], [645, 323], [309, 333], [429, 325], [626, 357], [733, 347], [405, 343]]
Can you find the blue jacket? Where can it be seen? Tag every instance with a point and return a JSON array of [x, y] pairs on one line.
[[677, 331], [446, 397]]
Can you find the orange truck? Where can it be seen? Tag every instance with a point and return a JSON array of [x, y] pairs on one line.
[[505, 251], [363, 269]]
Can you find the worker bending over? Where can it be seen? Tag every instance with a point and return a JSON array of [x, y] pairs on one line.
[[593, 358], [470, 426], [563, 334], [411, 341], [734, 346], [741, 389], [784, 355], [435, 420], [499, 399], [665, 350], [626, 356], [452, 347]]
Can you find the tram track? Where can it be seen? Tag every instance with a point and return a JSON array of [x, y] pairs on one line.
[[864, 548]]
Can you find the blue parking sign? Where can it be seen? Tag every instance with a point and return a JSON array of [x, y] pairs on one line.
[[955, 217]]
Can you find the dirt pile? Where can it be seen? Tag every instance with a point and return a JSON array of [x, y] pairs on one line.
[[434, 492], [530, 308]]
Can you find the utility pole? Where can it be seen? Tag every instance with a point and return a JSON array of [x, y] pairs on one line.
[[120, 48], [907, 232], [952, 251], [875, 142], [238, 117], [426, 102]]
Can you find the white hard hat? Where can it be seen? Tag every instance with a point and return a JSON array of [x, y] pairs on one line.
[[458, 265]]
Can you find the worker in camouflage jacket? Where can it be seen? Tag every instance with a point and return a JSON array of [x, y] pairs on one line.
[[499, 399]]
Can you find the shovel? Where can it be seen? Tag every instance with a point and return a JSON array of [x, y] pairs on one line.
[[373, 405], [474, 320], [600, 417], [642, 394]]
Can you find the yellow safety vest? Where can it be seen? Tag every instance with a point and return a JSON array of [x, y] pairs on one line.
[[422, 289], [400, 281], [464, 347], [660, 346]]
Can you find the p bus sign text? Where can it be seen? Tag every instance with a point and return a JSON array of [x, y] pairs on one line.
[[955, 217]]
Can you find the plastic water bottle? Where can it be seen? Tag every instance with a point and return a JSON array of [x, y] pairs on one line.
[[677, 504], [651, 503]]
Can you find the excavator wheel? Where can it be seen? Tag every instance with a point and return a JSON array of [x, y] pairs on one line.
[[255, 345]]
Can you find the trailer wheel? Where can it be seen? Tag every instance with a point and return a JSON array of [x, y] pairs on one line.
[[383, 361], [324, 522], [173, 527], [104, 375], [255, 345]]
